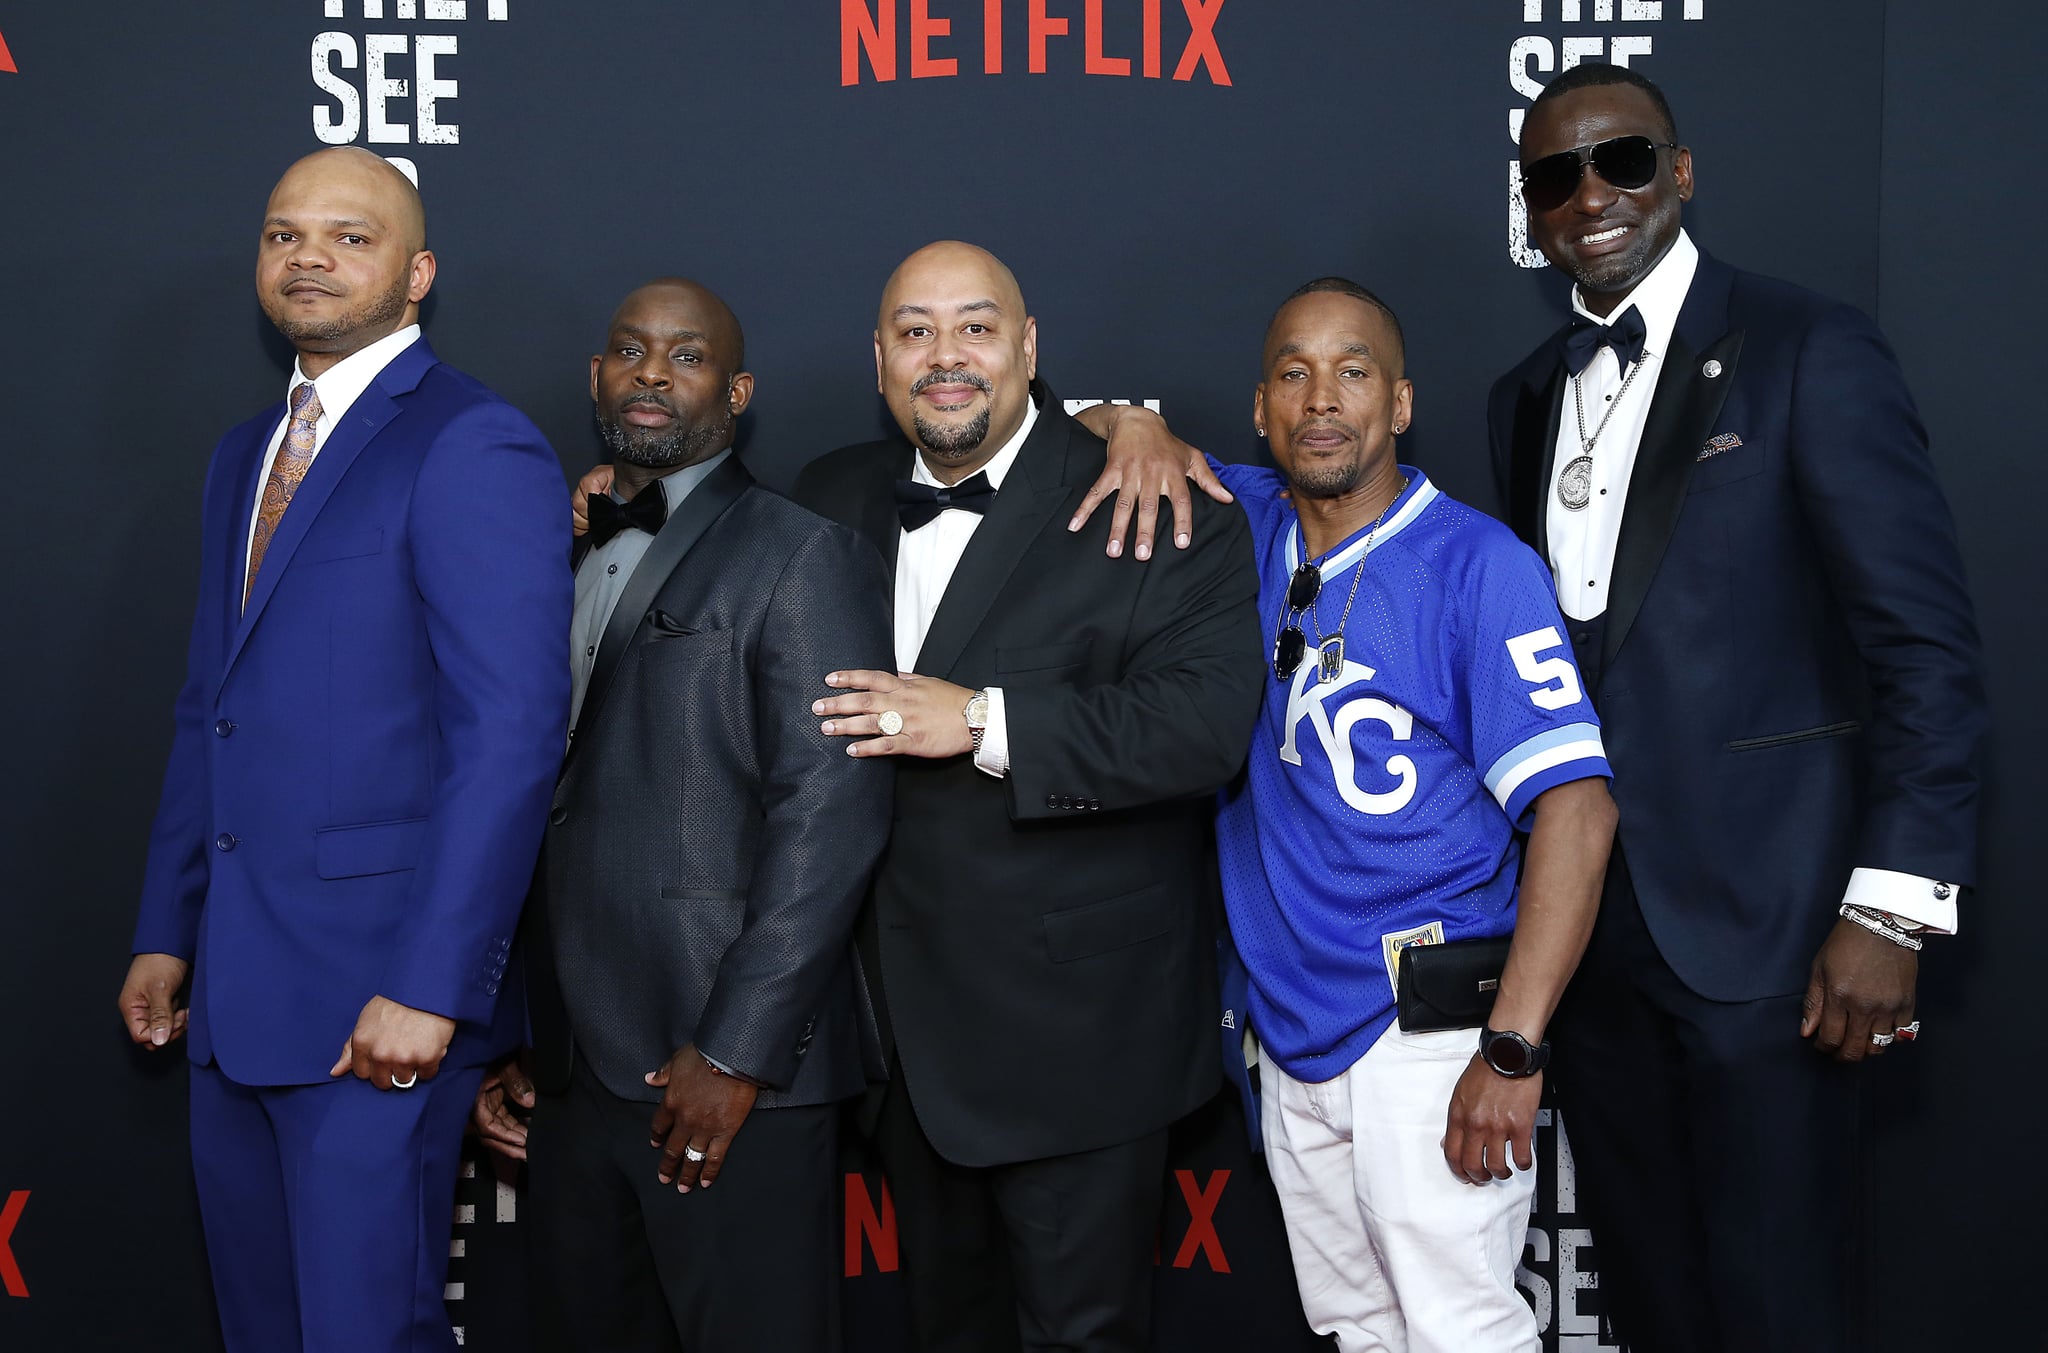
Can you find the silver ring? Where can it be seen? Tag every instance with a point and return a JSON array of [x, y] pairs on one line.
[[407, 1084], [890, 722], [1883, 1040], [692, 1154]]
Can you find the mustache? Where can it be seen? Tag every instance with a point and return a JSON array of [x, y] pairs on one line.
[[652, 400], [931, 378], [1326, 425], [310, 282]]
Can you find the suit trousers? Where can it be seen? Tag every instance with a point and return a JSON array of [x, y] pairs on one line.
[[327, 1210], [1717, 1153], [1052, 1254], [629, 1265]]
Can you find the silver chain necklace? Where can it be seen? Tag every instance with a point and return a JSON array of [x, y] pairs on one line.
[[1575, 485], [1330, 651]]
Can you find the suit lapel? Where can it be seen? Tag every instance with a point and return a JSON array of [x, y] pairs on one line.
[[374, 410], [684, 527], [235, 515], [1534, 450], [877, 517], [1032, 492], [1683, 411]]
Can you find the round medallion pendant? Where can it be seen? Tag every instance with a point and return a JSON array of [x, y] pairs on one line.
[[1575, 485]]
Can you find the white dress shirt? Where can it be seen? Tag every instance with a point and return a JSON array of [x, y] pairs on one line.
[[1582, 542], [338, 388], [925, 560], [606, 570]]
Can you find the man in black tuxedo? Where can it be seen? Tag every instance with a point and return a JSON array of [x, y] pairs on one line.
[[1732, 488], [1043, 918], [696, 1009]]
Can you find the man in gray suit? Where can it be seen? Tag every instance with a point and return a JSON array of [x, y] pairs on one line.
[[696, 1011]]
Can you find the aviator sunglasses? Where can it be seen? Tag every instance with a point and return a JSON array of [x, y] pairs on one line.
[[1292, 645], [1625, 162]]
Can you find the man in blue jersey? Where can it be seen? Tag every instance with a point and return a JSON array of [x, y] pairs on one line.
[[1422, 707]]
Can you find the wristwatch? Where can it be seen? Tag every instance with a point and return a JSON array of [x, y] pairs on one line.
[[1510, 1054], [976, 715]]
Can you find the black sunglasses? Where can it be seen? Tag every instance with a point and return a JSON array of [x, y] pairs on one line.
[[1625, 162], [1292, 645]]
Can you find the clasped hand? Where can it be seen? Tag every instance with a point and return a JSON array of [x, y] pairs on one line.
[[393, 1041]]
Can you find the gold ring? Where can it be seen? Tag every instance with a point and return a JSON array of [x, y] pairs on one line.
[[890, 722]]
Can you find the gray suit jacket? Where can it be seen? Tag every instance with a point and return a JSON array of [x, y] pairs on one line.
[[708, 848]]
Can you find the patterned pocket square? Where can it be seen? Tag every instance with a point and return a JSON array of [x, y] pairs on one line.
[[1726, 441]]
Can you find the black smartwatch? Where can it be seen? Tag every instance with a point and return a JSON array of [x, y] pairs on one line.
[[1510, 1054]]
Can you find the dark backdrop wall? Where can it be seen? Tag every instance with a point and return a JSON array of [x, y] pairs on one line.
[[1158, 177]]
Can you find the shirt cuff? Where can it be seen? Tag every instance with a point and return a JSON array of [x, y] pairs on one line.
[[994, 756], [1911, 898]]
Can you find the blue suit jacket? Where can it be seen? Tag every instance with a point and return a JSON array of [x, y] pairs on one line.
[[363, 756], [1791, 684]]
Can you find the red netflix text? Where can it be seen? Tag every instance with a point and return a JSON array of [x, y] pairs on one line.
[[871, 39], [10, 1214], [871, 1224]]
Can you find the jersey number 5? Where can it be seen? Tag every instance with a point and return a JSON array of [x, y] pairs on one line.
[[1556, 679]]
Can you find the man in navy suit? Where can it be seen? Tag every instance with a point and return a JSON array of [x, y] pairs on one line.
[[372, 717], [1730, 484]]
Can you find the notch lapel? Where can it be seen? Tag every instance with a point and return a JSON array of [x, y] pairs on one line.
[[1683, 411], [683, 529], [1032, 492], [235, 513], [374, 410]]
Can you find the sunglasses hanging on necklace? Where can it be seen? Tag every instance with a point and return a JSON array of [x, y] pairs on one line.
[[1290, 645]]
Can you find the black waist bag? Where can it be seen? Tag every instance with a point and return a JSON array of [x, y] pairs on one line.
[[1448, 986]]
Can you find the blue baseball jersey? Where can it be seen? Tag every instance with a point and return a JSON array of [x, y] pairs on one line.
[[1379, 806]]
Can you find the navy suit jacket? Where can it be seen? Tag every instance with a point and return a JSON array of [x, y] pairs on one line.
[[1790, 683], [363, 756]]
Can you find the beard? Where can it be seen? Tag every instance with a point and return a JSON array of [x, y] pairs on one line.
[[1328, 479], [382, 309], [949, 442], [952, 441], [679, 443]]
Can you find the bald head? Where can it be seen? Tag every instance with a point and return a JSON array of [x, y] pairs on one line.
[[707, 314], [957, 267], [955, 354], [369, 177], [343, 260]]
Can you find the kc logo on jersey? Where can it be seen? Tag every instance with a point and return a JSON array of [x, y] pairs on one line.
[[1308, 698]]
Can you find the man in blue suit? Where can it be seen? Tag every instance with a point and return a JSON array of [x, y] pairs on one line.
[[373, 713], [1730, 484]]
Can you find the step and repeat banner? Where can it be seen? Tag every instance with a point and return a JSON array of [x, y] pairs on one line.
[[1159, 174]]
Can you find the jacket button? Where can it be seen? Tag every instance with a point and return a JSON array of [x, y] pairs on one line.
[[1095, 805], [223, 727], [1052, 800], [558, 816], [225, 841]]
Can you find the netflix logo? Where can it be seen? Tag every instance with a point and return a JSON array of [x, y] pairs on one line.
[[11, 1280], [871, 1225], [1116, 37]]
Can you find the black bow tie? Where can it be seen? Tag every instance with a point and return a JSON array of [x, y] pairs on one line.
[[1624, 335], [917, 504], [608, 516]]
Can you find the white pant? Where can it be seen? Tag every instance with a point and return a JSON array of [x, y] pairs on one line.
[[1392, 1251]]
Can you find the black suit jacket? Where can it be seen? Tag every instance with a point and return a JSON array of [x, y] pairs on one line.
[[1791, 683], [708, 847], [1046, 940]]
